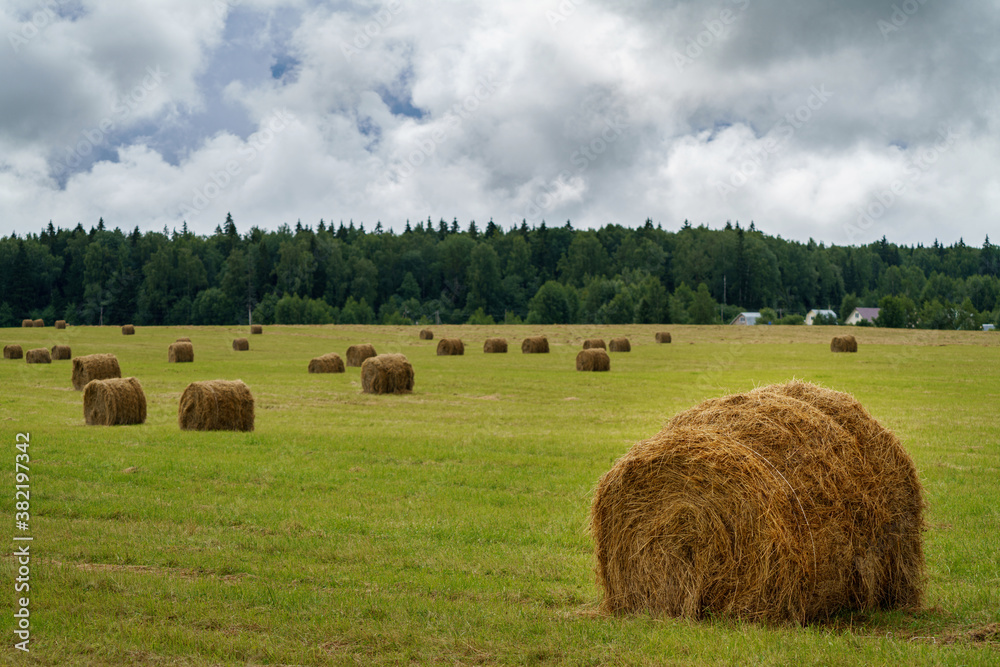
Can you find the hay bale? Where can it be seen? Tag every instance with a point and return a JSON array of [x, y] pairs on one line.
[[61, 352], [256, 329], [38, 324], [535, 345], [60, 324], [619, 345], [328, 363], [114, 402], [183, 340], [356, 354], [39, 356], [94, 367], [12, 352], [593, 359], [128, 330], [450, 347], [844, 344], [216, 405], [426, 334], [787, 503], [27, 324], [663, 337], [387, 374], [495, 346], [241, 345], [180, 353], [593, 344]]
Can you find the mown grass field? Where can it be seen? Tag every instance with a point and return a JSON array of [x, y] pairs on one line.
[[449, 526]]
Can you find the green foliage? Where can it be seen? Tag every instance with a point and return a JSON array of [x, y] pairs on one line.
[[768, 316], [897, 312], [795, 319], [213, 306], [480, 317], [821, 319], [703, 309]]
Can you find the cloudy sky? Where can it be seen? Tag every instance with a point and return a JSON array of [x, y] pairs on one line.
[[840, 121]]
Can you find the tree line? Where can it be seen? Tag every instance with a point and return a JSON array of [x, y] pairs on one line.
[[450, 273]]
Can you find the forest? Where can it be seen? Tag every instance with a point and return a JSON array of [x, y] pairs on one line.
[[450, 273]]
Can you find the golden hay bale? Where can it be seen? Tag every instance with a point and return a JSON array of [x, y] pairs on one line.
[[844, 344], [216, 405], [241, 344], [94, 367], [38, 324], [787, 503], [495, 346], [61, 352], [27, 324], [387, 374], [180, 353], [60, 324], [328, 363], [183, 340], [128, 330], [12, 352], [535, 345], [450, 347], [426, 334], [593, 344], [663, 337], [256, 329], [593, 359], [356, 354], [39, 356], [114, 402], [619, 345]]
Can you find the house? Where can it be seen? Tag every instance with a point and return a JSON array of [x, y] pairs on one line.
[[989, 327], [811, 315], [858, 314], [748, 319]]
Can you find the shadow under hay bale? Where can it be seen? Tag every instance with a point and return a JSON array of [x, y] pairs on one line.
[[241, 345], [27, 324], [38, 324], [387, 374], [356, 354], [114, 402], [39, 356], [256, 329], [619, 345], [216, 405], [788, 503], [495, 346], [663, 337], [535, 345], [593, 359], [593, 344], [450, 347], [180, 353], [426, 334], [328, 363], [60, 324], [844, 344], [128, 330], [61, 353], [13, 352], [94, 367]]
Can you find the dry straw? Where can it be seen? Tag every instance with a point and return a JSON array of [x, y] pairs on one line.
[[387, 374], [39, 356], [61, 353], [450, 347], [328, 363], [426, 334], [183, 340], [593, 344], [786, 504], [495, 346], [180, 353], [356, 354], [241, 344], [844, 344], [619, 345], [594, 359], [663, 337], [94, 367], [128, 330], [13, 352], [27, 324], [114, 402], [256, 329], [60, 324], [535, 345], [40, 324], [216, 405]]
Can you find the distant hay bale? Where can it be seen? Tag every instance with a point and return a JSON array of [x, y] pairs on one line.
[[356, 354], [844, 344], [786, 503], [387, 374], [216, 405], [12, 352], [593, 359], [180, 353], [535, 345], [60, 324], [114, 402], [94, 367], [38, 324], [619, 345], [328, 363], [663, 337], [450, 347], [128, 330], [426, 334], [593, 344], [39, 356], [61, 353], [27, 324], [256, 329], [183, 340], [241, 345], [495, 346]]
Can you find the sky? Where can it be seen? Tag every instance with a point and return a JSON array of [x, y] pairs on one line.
[[838, 121]]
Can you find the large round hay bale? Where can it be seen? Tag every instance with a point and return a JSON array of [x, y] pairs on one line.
[[128, 330], [593, 344], [61, 353], [114, 402], [356, 354], [183, 340], [180, 353], [94, 367], [328, 363], [39, 356], [844, 344], [663, 337], [27, 324], [450, 347], [216, 405], [60, 324], [535, 345], [495, 346], [787, 503], [426, 334], [619, 345], [13, 352], [256, 329], [387, 374], [39, 324], [241, 345], [593, 359]]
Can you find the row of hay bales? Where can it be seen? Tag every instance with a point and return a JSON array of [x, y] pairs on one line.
[[40, 355], [380, 373]]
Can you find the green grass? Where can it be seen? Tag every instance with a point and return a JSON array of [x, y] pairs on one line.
[[449, 526]]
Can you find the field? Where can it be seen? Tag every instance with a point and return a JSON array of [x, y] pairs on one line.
[[449, 526]]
